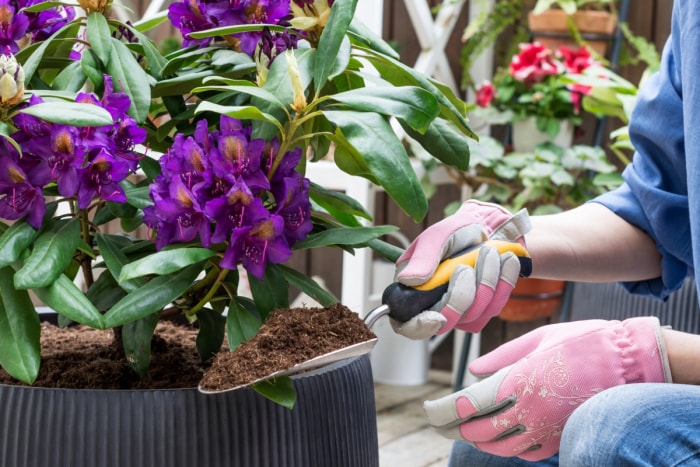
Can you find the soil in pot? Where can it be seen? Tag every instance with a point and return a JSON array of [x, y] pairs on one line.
[[80, 357]]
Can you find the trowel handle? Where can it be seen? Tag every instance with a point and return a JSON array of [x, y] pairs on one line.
[[405, 302]]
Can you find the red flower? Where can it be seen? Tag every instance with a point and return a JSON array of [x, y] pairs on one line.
[[533, 64], [576, 60], [485, 94]]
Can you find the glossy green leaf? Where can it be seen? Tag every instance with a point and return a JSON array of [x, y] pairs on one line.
[[99, 36], [308, 286], [15, 240], [444, 143], [372, 136], [271, 292], [279, 390], [155, 295], [72, 78], [361, 34], [212, 327], [226, 30], [19, 330], [156, 61], [417, 107], [136, 341], [153, 21], [240, 112], [88, 63], [165, 262], [53, 251], [115, 260], [105, 291], [242, 323], [250, 90], [129, 77], [385, 250], [352, 236], [341, 206], [278, 82], [35, 55], [41, 6], [331, 41], [70, 113], [137, 196], [65, 298]]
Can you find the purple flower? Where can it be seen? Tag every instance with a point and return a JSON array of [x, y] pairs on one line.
[[15, 23], [218, 185], [13, 26], [257, 244], [18, 196], [100, 178], [192, 15]]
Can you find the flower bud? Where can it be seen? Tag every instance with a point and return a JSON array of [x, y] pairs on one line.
[[11, 81], [91, 6], [295, 79]]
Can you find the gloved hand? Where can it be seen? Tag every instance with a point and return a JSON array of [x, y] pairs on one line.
[[474, 295], [538, 380]]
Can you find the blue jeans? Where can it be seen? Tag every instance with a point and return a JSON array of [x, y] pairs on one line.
[[633, 425]]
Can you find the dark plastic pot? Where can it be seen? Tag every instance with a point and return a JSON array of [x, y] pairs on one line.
[[333, 424]]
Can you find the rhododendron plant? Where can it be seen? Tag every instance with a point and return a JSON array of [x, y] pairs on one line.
[[206, 148], [537, 84]]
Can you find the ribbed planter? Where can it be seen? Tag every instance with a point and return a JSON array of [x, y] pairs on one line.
[[333, 424]]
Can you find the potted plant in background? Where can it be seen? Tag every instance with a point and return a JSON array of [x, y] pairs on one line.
[[207, 147], [574, 23], [534, 95]]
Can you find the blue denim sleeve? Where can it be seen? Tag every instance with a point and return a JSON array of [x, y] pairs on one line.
[[654, 196]]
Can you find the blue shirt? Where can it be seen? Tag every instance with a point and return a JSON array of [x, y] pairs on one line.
[[661, 193]]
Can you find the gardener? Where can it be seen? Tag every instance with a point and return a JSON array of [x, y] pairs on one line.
[[563, 388]]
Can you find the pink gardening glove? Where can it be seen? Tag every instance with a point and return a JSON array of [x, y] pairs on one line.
[[475, 295], [537, 380]]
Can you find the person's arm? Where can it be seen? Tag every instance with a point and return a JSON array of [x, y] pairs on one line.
[[591, 244], [683, 356]]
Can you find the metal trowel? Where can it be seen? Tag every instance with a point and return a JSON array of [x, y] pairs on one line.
[[402, 302]]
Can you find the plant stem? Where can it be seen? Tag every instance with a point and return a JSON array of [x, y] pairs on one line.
[[210, 294]]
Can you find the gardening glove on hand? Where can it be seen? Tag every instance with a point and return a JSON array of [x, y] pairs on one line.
[[538, 380], [474, 295]]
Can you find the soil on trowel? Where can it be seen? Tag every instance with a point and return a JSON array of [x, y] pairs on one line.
[[287, 338], [81, 357]]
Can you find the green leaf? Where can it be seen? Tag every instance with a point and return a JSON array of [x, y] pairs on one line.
[[339, 205], [352, 236], [70, 113], [156, 61], [36, 55], [227, 30], [53, 251], [250, 90], [308, 286], [360, 34], [373, 138], [99, 36], [129, 77], [16, 239], [115, 260], [146, 24], [153, 296], [136, 340], [386, 250], [165, 262], [444, 143], [105, 291], [211, 333], [240, 112], [413, 105], [270, 293], [279, 390], [331, 41], [71, 78], [241, 323], [65, 298], [19, 331]]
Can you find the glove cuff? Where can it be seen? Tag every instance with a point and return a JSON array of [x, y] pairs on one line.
[[645, 358]]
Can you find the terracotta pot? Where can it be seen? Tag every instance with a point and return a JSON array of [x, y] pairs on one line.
[[533, 299], [333, 424], [526, 135], [551, 28]]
